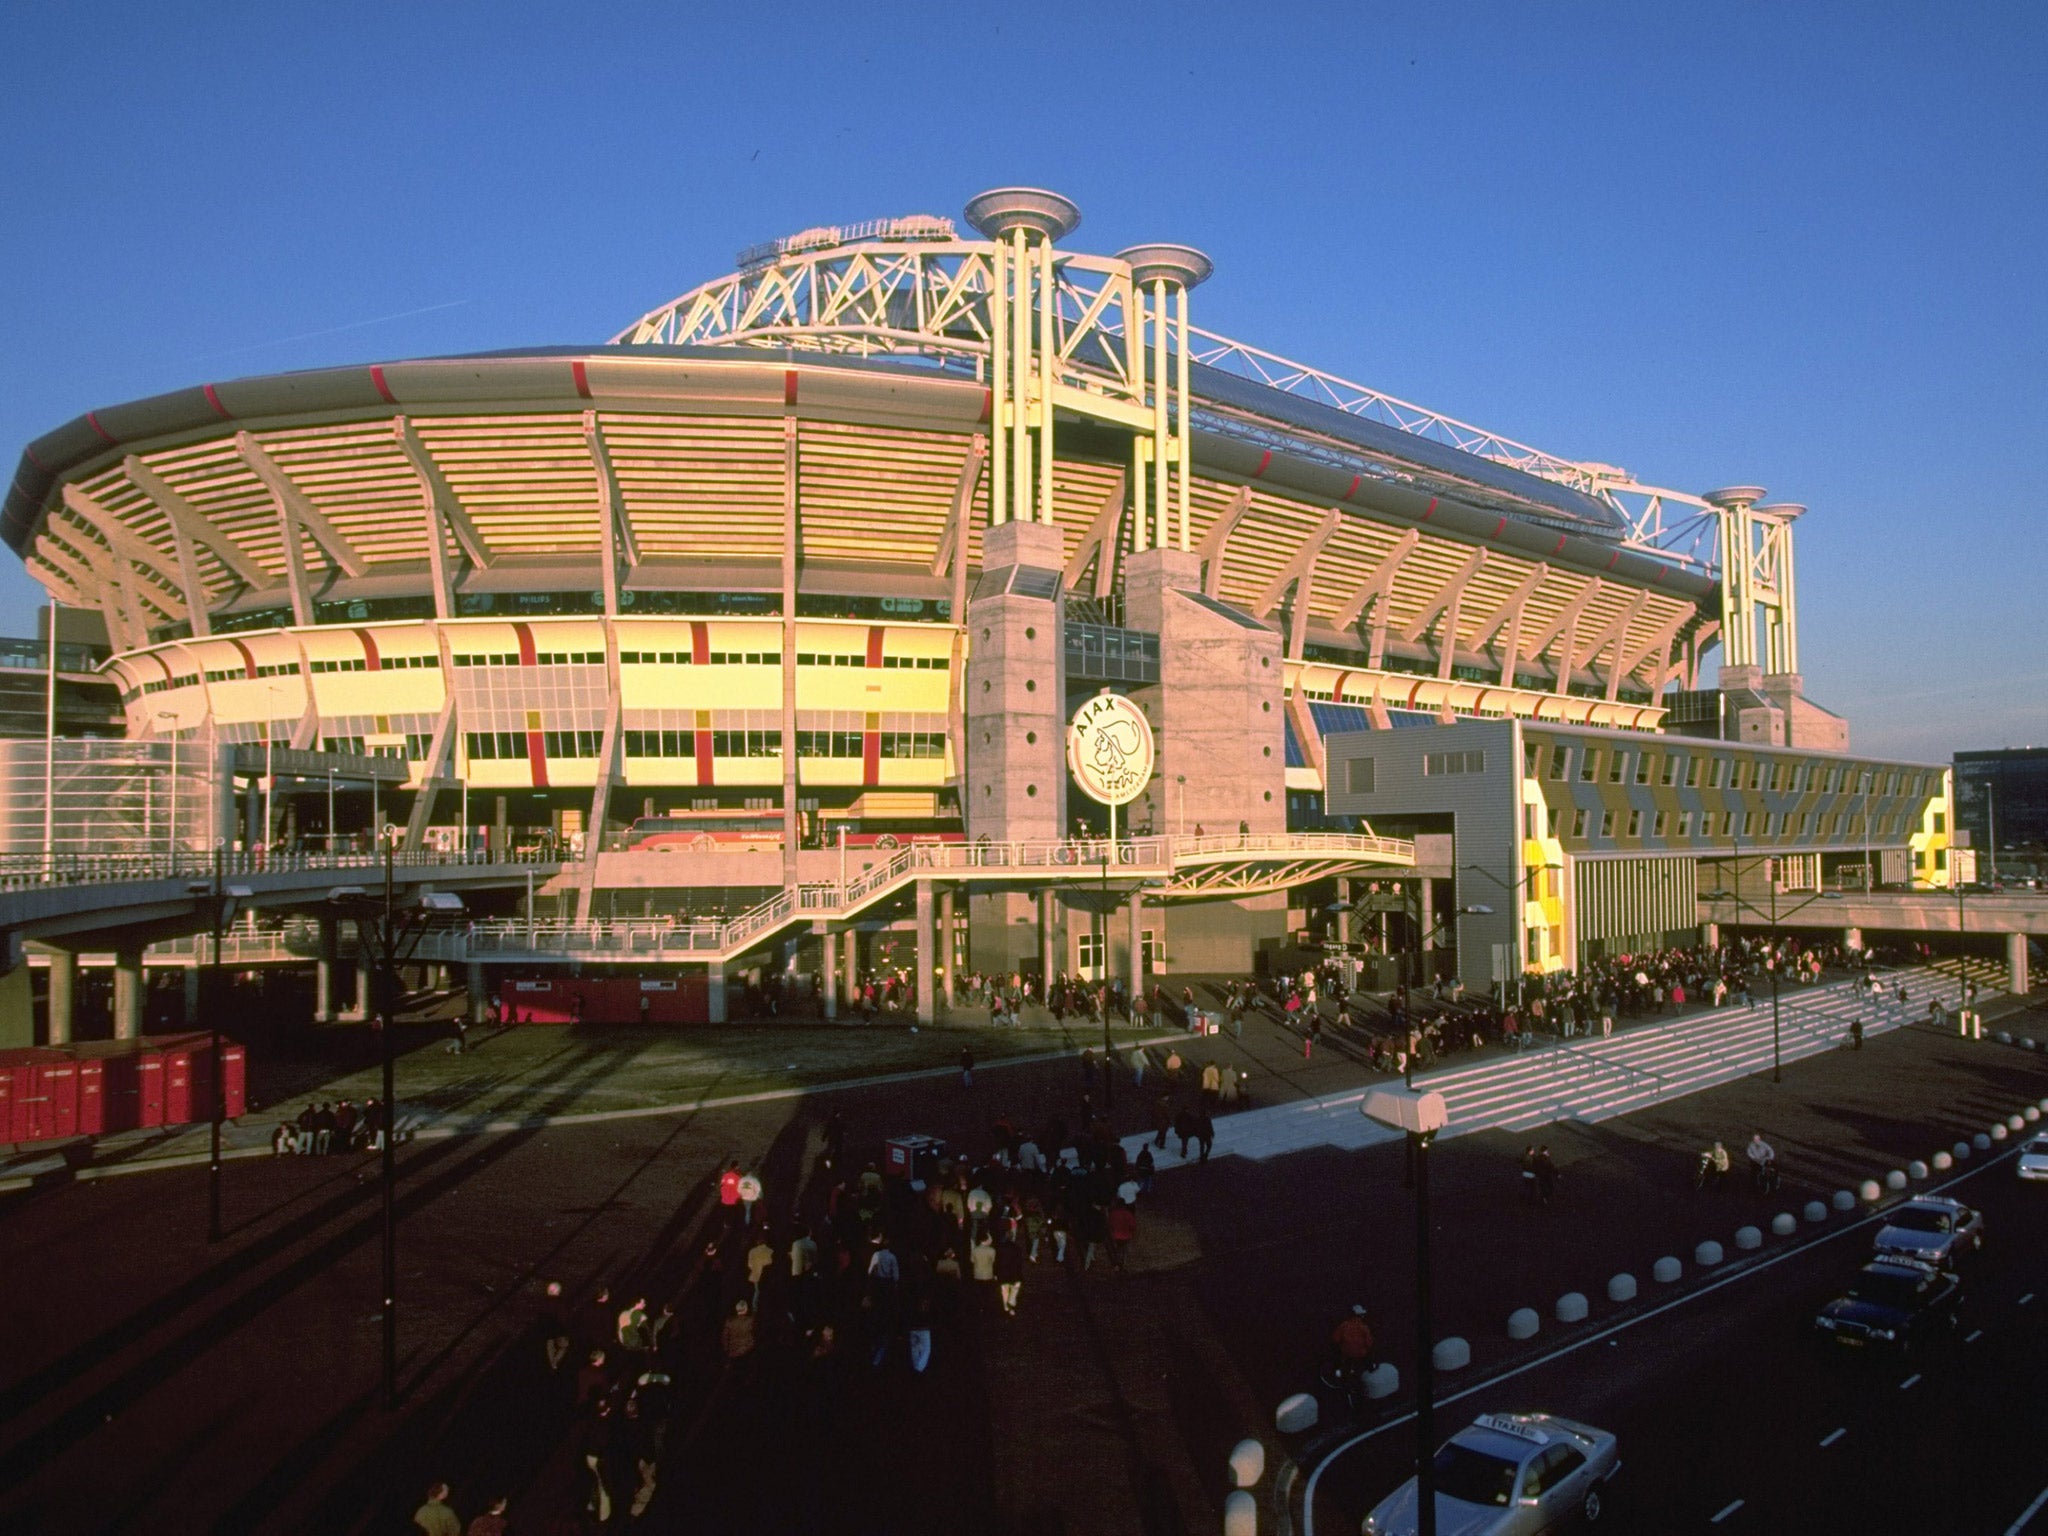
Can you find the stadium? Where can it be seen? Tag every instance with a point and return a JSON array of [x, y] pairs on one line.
[[768, 616]]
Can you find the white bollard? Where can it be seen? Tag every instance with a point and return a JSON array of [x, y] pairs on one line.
[[2043, 1105], [2030, 1114], [1523, 1323], [1783, 1224], [1622, 1288], [1844, 1200], [1452, 1354], [1666, 1270], [1870, 1190], [1961, 1150], [1999, 1132], [1748, 1237], [1981, 1142], [1707, 1254], [1815, 1211], [1297, 1414], [1240, 1514], [1383, 1380], [2015, 1122], [1247, 1463], [1943, 1161], [1916, 1169], [1896, 1179], [1572, 1307]]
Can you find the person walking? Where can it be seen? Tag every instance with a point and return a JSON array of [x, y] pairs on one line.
[[1138, 1066], [1123, 1227], [435, 1517], [1009, 1264], [1530, 1194], [1546, 1175], [1205, 1132], [1855, 1034], [966, 1066]]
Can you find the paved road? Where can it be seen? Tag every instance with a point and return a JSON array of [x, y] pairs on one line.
[[1734, 1418]]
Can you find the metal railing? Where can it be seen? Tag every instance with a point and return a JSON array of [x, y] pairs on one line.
[[31, 871]]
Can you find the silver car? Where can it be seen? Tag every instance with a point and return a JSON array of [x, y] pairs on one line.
[[1510, 1474], [2034, 1159], [1933, 1229]]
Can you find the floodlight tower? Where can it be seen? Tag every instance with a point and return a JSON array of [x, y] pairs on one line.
[[1160, 273], [1023, 223]]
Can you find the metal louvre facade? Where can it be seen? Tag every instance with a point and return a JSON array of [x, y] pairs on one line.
[[1625, 904]]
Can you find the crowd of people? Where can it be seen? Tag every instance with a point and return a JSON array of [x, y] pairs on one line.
[[324, 1128]]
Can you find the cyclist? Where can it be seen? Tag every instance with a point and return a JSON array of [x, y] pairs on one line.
[[1763, 1162], [1713, 1167], [1351, 1345]]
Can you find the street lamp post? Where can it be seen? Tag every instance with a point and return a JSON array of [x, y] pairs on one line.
[[1770, 960], [1180, 826], [1520, 890], [1420, 1117], [385, 937], [330, 809], [221, 897]]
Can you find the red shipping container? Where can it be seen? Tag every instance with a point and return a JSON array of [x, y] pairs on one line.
[[6, 1104], [233, 1080], [131, 1083], [57, 1084], [92, 1100], [176, 1056], [31, 1092]]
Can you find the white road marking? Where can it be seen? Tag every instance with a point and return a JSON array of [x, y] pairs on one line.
[[1308, 1523], [1910, 1381], [1974, 1337], [1831, 1439], [2028, 1513], [1727, 1512]]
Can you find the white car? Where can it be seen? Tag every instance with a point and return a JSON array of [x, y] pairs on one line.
[[2034, 1159], [1510, 1474]]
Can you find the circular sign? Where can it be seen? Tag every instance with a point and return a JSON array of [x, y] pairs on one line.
[[1109, 749]]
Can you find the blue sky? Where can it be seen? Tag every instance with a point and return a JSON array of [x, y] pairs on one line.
[[1797, 246]]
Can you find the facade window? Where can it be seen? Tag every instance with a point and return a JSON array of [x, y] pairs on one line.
[[1607, 823], [828, 743], [654, 658], [1550, 823], [1749, 823], [1589, 765], [1940, 822], [1578, 823], [572, 743], [1530, 752], [1358, 775], [1635, 823], [922, 744], [1529, 822], [1660, 823], [1727, 823], [1670, 770], [1617, 767], [1685, 823], [1717, 772], [1643, 768], [1438, 763], [496, 746], [1692, 773], [746, 743], [661, 744], [1560, 762]]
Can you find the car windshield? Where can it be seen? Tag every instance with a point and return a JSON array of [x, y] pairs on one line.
[[2038, 1146], [1474, 1476], [1885, 1289], [1919, 1220]]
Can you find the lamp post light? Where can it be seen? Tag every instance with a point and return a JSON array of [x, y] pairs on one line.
[[1421, 1117], [1180, 825], [1514, 888], [386, 936], [221, 898], [1771, 960]]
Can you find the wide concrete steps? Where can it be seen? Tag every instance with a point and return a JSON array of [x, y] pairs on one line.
[[1594, 1080]]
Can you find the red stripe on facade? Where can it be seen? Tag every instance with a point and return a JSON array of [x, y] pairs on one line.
[[1429, 511], [1613, 560], [874, 645], [988, 404], [527, 655], [1337, 693], [92, 419], [537, 758], [1659, 579], [213, 400], [1414, 690], [702, 742], [871, 749], [370, 656], [581, 375], [789, 386], [700, 643], [1498, 529], [383, 389], [30, 455], [1352, 489], [248, 660], [1560, 545], [1265, 461]]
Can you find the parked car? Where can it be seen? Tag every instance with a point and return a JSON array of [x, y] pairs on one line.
[[1934, 1228], [1893, 1301], [1510, 1474]]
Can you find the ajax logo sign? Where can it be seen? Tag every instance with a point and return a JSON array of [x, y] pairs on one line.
[[1109, 749]]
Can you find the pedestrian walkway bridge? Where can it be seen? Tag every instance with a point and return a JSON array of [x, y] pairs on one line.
[[1160, 868], [1599, 1079]]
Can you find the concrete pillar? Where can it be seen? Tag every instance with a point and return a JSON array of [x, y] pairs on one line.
[[946, 946], [63, 995], [323, 971], [192, 975], [479, 993], [128, 995], [1852, 938], [715, 992], [828, 973], [1427, 910], [362, 1008], [924, 952], [2016, 962], [1710, 935], [1137, 955], [1344, 910], [849, 960], [252, 816], [1048, 911], [501, 830]]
